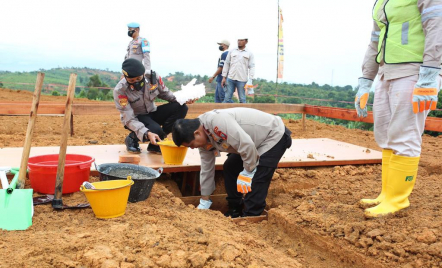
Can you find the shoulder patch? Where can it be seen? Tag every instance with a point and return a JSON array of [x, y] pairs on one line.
[[220, 134], [122, 99], [160, 82], [145, 45]]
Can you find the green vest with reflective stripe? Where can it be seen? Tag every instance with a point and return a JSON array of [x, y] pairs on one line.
[[402, 35]]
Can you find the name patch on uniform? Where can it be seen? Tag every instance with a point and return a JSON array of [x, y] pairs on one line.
[[220, 134], [122, 99], [209, 147], [134, 100]]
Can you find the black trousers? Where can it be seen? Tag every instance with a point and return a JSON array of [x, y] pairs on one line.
[[254, 201], [161, 121]]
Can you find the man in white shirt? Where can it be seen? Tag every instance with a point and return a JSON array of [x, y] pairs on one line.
[[239, 67]]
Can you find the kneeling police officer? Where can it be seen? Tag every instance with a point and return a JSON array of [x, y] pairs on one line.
[[134, 97]]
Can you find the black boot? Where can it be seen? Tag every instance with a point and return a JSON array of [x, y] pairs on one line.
[[153, 149], [234, 211], [132, 145]]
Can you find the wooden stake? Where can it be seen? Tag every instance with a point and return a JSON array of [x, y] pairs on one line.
[[30, 131], [303, 121], [57, 203]]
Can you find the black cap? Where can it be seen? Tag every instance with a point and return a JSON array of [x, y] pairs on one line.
[[132, 68]]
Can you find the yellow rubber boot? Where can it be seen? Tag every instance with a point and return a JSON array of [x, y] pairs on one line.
[[401, 178], [386, 154]]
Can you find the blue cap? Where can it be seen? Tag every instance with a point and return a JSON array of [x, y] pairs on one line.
[[133, 25]]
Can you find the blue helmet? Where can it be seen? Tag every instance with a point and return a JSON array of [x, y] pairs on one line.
[[133, 25]]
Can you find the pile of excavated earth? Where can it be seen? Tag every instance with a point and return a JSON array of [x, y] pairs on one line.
[[314, 217]]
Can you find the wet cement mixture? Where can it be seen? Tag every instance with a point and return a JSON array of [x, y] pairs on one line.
[[314, 217]]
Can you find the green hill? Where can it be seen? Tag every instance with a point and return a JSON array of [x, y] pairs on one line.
[[54, 77]]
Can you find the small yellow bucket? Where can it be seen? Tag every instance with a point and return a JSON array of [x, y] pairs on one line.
[[109, 198], [172, 154]]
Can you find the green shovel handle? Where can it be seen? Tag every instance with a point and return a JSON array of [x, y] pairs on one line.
[[13, 183], [14, 170]]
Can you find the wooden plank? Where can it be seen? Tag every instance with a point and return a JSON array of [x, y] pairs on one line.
[[433, 124], [107, 108], [303, 121], [183, 186], [303, 152], [337, 113], [23, 108], [251, 219], [271, 108]]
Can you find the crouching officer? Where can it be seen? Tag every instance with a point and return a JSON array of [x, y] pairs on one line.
[[255, 141], [135, 99]]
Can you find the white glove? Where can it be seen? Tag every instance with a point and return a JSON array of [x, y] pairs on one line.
[[204, 204], [249, 87], [362, 96], [425, 91]]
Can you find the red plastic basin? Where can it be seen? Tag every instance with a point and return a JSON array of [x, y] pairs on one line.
[[43, 171]]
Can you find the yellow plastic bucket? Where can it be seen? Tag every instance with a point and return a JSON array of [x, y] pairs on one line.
[[172, 154], [109, 198]]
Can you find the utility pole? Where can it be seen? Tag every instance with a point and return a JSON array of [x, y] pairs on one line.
[[277, 56]]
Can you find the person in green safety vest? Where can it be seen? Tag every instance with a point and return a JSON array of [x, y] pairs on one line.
[[405, 52]]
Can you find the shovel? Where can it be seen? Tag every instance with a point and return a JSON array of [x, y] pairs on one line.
[[16, 207], [57, 202]]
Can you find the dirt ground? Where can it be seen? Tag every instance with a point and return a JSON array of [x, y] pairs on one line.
[[314, 218]]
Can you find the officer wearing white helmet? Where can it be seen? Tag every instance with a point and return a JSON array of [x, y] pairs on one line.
[[139, 47]]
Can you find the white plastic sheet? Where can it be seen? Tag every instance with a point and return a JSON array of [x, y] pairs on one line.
[[190, 92]]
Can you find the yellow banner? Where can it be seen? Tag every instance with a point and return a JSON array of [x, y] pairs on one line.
[[280, 47]]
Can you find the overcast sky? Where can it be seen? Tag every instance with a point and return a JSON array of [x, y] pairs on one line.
[[324, 41]]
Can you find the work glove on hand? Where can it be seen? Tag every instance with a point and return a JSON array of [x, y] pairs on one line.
[[204, 204], [244, 181], [425, 90], [362, 96], [249, 87]]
